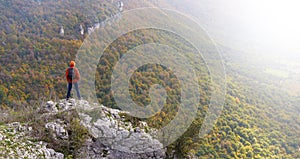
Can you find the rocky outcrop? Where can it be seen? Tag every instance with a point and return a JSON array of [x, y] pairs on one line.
[[15, 143], [58, 127], [111, 134], [114, 137], [62, 31]]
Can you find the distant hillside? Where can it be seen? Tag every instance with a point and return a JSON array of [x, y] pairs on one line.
[[33, 52]]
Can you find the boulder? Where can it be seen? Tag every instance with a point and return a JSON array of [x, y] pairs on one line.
[[58, 129]]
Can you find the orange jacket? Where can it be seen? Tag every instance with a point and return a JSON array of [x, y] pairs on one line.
[[76, 78]]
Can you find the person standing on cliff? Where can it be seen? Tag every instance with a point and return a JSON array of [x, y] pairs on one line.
[[73, 76]]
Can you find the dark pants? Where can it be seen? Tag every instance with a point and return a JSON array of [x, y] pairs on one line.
[[70, 89]]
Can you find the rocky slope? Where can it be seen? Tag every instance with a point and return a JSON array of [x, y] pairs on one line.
[[14, 143], [110, 134]]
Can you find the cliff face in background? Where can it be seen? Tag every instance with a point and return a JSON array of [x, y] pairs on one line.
[[102, 133]]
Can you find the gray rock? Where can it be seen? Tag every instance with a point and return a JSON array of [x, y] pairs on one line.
[[51, 154], [118, 139], [51, 107], [62, 106], [58, 129], [50, 103], [16, 134], [111, 136]]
